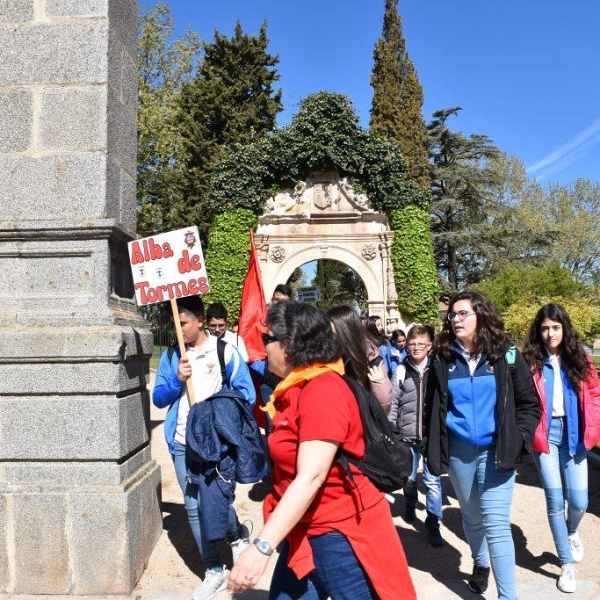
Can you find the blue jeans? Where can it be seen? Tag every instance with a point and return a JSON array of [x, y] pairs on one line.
[[573, 486], [337, 573], [433, 492], [484, 494], [208, 550]]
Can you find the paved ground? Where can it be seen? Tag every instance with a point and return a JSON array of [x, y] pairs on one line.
[[174, 569]]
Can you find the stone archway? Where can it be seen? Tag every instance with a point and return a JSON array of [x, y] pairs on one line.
[[324, 218]]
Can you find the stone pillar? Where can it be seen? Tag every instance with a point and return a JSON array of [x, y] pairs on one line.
[[79, 491]]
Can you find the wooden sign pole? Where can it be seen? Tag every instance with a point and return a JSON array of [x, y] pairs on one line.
[[190, 387]]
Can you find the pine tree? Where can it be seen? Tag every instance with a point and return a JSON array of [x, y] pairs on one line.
[[230, 101], [463, 182], [398, 97]]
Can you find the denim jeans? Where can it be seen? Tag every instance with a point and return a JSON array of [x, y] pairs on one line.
[[337, 573], [485, 494], [433, 492], [208, 550], [574, 489]]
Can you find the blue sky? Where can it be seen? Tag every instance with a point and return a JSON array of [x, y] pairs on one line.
[[526, 72]]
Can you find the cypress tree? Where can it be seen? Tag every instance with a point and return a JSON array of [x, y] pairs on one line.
[[396, 115], [398, 97]]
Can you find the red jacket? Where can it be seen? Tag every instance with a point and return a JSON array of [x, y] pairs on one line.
[[589, 407]]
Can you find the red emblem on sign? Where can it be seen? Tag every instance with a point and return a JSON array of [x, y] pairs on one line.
[[190, 239]]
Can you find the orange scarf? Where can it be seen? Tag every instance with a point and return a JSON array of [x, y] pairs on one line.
[[299, 376]]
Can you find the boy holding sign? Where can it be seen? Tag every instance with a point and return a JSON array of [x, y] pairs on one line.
[[170, 268], [202, 367]]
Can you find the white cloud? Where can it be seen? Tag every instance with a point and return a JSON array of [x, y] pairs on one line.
[[568, 153]]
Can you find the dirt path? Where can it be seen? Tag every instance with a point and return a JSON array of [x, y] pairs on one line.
[[174, 569]]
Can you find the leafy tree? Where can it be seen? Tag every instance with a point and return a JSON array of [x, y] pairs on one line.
[[165, 63], [517, 283], [572, 213], [339, 285], [230, 100], [540, 226], [396, 116], [398, 97], [584, 314], [462, 176], [297, 280]]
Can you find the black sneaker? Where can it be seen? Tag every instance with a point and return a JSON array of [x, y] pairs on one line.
[[478, 582], [410, 514], [433, 532]]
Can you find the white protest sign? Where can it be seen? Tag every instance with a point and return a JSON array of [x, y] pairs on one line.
[[168, 266]]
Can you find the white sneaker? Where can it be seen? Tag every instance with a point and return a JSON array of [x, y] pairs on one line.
[[576, 546], [240, 545], [215, 581], [566, 581]]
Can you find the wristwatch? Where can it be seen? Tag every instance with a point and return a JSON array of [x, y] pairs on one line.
[[263, 547]]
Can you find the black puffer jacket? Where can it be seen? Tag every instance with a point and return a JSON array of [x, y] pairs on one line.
[[518, 413]]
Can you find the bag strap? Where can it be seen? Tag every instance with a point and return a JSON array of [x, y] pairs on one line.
[[511, 357], [221, 344]]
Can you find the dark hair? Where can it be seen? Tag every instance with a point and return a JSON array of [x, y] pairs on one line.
[[306, 332], [216, 310], [397, 333], [353, 339], [284, 289], [192, 305], [490, 337], [572, 352], [419, 329], [377, 335]]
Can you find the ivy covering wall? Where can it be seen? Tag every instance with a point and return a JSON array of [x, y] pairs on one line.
[[414, 267], [227, 256]]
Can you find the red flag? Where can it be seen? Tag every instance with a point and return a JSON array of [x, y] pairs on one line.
[[253, 309]]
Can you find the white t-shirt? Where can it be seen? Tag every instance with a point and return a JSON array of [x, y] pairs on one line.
[[206, 379], [558, 396]]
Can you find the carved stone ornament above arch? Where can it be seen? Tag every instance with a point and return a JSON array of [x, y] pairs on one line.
[[322, 192]]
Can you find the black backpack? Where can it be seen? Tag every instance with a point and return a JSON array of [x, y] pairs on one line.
[[388, 460]]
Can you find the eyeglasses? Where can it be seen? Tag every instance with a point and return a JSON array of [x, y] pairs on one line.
[[418, 346], [267, 339], [461, 314]]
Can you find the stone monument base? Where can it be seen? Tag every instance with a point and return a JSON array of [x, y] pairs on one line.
[[69, 529]]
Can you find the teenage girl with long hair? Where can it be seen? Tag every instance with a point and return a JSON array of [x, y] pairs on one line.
[[567, 385], [481, 411], [360, 354], [377, 333]]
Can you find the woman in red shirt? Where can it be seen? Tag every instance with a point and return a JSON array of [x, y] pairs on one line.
[[337, 537]]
